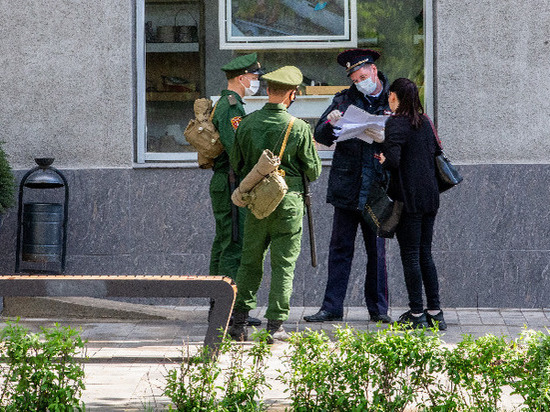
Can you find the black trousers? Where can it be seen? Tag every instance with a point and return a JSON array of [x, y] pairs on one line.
[[342, 246], [414, 235]]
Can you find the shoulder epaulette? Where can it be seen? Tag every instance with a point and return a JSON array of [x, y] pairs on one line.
[[232, 100]]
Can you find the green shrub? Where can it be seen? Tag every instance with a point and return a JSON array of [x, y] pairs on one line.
[[383, 370], [203, 384], [311, 365], [402, 366], [388, 369], [478, 369], [41, 372], [529, 370], [7, 183]]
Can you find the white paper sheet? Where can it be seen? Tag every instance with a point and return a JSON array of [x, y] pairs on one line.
[[354, 122]]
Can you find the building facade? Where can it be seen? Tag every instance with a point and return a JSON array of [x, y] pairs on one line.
[[107, 87]]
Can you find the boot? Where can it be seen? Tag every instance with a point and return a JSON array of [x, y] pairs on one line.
[[276, 331], [250, 321], [238, 330]]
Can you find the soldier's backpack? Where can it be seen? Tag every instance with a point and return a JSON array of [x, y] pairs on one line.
[[266, 195], [202, 134]]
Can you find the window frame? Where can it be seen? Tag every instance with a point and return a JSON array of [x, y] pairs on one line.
[[189, 159], [231, 42]]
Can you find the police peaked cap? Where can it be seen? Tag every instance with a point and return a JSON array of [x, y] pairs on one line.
[[243, 64], [354, 59]]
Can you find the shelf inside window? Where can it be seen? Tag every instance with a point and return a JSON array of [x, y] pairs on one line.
[[172, 96], [172, 47]]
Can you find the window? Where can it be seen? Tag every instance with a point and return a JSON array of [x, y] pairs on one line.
[[172, 58], [287, 24], [170, 77]]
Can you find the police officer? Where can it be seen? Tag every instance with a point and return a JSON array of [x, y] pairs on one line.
[[354, 168], [242, 80], [281, 231]]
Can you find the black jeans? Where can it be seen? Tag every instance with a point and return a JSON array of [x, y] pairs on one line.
[[414, 235]]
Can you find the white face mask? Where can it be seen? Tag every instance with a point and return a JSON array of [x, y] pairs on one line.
[[253, 89], [367, 86]]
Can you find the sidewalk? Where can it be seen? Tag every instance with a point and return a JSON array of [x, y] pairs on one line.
[[128, 359]]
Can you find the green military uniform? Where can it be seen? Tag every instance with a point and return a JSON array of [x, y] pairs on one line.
[[225, 254], [282, 230]]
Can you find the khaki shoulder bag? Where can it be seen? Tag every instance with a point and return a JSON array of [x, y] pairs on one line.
[[202, 134], [266, 195]]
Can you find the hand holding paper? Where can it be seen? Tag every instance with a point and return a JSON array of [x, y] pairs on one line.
[[355, 122], [375, 134], [334, 116]]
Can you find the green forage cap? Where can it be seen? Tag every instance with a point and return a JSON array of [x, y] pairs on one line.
[[244, 64], [289, 75]]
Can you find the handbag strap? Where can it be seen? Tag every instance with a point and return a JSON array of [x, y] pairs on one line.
[[288, 129], [437, 139]]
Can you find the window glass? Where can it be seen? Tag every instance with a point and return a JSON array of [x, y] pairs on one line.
[[175, 60], [392, 27], [173, 75]]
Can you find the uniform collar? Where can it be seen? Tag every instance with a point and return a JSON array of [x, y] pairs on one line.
[[275, 106]]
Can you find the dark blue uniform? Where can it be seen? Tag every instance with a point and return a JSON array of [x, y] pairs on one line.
[[353, 170]]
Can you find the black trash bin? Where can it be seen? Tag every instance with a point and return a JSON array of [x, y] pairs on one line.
[[42, 232]]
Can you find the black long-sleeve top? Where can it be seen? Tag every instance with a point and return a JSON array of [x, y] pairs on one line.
[[410, 157]]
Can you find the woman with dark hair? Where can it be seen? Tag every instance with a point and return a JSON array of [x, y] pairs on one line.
[[409, 152]]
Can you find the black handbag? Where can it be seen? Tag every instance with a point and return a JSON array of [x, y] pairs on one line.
[[381, 213], [447, 175]]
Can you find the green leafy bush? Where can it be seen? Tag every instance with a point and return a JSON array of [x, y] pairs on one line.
[[382, 370], [41, 372], [478, 370], [203, 384], [7, 183], [529, 369], [390, 369]]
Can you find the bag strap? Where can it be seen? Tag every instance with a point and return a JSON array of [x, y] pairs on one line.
[[213, 110], [283, 146], [435, 132]]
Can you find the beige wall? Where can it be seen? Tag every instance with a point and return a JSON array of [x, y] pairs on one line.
[[493, 80], [67, 81]]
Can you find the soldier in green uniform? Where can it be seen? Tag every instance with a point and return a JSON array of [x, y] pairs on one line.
[[281, 231], [242, 80]]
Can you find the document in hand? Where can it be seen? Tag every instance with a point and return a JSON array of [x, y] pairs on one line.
[[354, 122]]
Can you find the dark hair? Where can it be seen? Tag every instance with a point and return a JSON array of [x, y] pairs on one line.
[[409, 101]]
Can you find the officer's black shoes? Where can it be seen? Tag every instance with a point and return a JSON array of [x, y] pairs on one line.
[[250, 321], [276, 331], [410, 321], [323, 316], [238, 330], [436, 321], [377, 317]]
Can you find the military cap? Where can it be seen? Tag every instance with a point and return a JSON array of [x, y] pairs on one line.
[[287, 75], [354, 59], [243, 64]]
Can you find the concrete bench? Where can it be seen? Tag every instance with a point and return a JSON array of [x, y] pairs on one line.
[[220, 289]]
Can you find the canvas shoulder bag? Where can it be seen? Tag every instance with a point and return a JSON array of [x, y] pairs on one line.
[[202, 134], [266, 195]]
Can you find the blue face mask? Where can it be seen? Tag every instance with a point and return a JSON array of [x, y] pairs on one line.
[[367, 86]]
